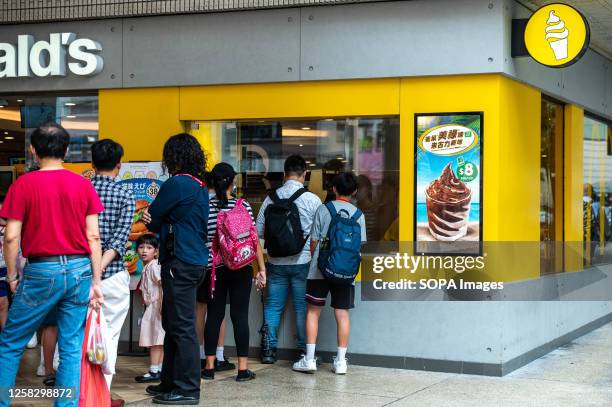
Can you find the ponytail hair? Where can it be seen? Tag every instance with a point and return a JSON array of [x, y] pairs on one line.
[[221, 177]]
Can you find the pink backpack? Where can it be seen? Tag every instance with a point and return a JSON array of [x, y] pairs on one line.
[[235, 243]]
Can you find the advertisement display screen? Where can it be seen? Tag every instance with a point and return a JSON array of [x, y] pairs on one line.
[[144, 179], [448, 183]]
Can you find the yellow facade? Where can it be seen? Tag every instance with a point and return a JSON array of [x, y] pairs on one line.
[[573, 177], [291, 100], [142, 119]]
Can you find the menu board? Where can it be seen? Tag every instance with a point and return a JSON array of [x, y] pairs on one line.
[[448, 183]]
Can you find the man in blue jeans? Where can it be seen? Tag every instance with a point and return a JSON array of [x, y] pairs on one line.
[[288, 273], [53, 214]]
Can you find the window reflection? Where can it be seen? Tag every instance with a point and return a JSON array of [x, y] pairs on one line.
[[367, 146], [597, 191], [551, 188], [77, 114]]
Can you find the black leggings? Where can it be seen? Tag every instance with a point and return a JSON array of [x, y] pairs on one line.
[[238, 283]]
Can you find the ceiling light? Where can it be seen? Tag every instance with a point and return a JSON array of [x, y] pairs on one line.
[[329, 120], [6, 133], [301, 145], [1, 106], [71, 116], [19, 100], [1, 141], [305, 128], [9, 138], [69, 104], [313, 165]]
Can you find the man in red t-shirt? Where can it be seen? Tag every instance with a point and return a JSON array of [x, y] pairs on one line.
[[53, 214]]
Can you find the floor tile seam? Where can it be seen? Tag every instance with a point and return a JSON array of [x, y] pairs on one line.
[[553, 380], [418, 391], [323, 390]]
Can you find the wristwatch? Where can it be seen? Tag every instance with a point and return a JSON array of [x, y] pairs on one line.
[[12, 279]]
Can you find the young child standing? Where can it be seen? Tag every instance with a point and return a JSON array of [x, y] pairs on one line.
[[151, 331], [317, 286]]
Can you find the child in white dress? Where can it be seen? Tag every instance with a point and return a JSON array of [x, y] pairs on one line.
[[151, 331]]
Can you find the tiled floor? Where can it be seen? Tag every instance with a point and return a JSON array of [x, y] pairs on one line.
[[123, 386], [578, 374]]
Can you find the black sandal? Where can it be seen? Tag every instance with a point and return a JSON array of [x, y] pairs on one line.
[[49, 380]]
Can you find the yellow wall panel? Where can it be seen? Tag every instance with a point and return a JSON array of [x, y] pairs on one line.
[[140, 119], [573, 176], [517, 163], [209, 137], [289, 100]]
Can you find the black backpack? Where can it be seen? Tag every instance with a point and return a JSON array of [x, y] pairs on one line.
[[283, 229]]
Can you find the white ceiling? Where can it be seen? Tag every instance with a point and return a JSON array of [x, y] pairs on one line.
[[599, 15]]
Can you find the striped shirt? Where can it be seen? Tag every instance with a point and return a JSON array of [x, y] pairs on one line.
[[213, 211]]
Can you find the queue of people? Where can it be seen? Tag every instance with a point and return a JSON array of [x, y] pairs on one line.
[[205, 248]]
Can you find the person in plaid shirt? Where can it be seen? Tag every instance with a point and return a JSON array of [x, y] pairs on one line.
[[115, 224]]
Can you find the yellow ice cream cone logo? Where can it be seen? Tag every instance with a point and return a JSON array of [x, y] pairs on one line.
[[557, 35]]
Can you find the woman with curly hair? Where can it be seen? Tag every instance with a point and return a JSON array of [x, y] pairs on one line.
[[180, 215]]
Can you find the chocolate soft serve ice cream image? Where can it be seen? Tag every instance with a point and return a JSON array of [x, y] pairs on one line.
[[448, 206], [448, 184]]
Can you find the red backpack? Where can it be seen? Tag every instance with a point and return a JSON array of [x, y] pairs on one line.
[[235, 243]]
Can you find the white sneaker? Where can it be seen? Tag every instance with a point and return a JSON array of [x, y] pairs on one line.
[[339, 366], [305, 365], [33, 342]]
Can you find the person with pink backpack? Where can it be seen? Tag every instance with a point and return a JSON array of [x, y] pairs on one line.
[[234, 245]]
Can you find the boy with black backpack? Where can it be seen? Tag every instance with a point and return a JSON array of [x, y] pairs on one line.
[[284, 222], [338, 231]]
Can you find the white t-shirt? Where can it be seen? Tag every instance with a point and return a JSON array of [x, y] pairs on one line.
[[320, 227]]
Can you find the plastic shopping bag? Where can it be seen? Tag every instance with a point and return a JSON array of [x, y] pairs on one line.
[[106, 338], [93, 388], [97, 339]]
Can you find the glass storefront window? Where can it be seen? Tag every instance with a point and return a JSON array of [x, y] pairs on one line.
[[367, 146], [597, 191], [551, 188], [77, 114]]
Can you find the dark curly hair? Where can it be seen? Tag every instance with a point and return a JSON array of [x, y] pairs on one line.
[[183, 155]]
